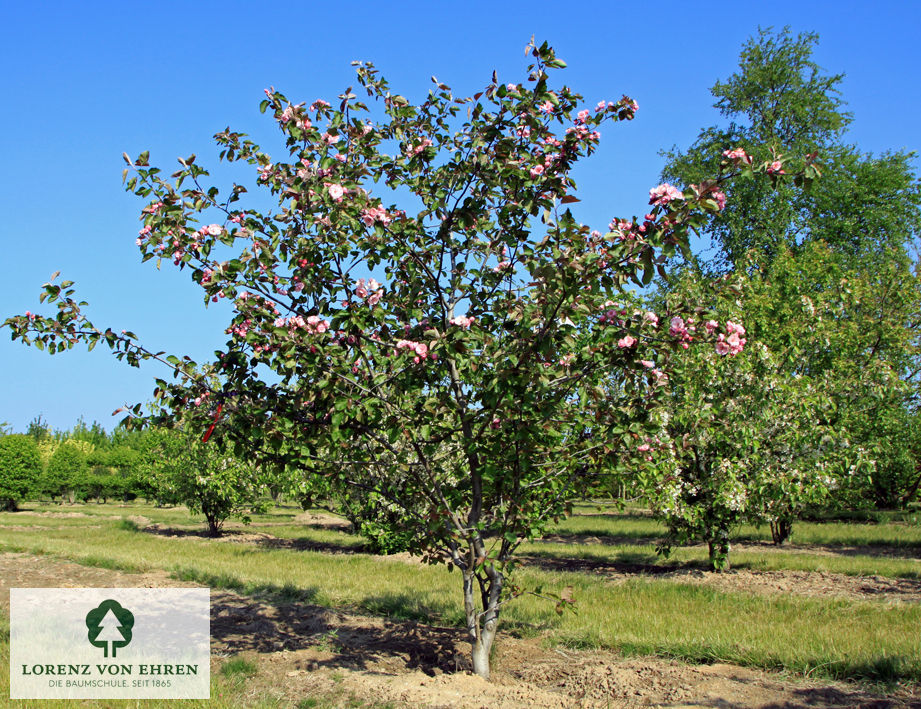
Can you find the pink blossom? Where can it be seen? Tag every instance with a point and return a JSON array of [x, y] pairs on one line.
[[710, 326], [501, 266], [214, 229], [582, 116], [738, 154], [601, 106], [462, 321], [732, 327], [626, 342], [318, 104], [647, 363], [330, 139], [776, 168], [287, 114], [369, 215], [547, 107], [335, 191], [419, 148], [720, 198], [420, 348], [663, 194], [537, 170], [677, 327], [511, 87], [651, 318], [643, 448]]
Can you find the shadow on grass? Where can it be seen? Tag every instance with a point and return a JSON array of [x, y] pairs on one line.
[[270, 623], [626, 562]]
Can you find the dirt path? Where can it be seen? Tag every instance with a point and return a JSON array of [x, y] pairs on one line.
[[303, 651]]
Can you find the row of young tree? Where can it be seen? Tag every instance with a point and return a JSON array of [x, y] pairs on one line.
[[456, 376], [163, 466]]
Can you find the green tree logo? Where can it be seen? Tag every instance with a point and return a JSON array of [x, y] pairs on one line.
[[109, 626]]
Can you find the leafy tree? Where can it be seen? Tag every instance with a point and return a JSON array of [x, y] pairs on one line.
[[740, 439], [20, 467], [39, 429], [467, 363], [66, 472], [205, 477], [781, 100], [840, 292]]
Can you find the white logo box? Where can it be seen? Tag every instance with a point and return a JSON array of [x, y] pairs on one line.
[[110, 643]]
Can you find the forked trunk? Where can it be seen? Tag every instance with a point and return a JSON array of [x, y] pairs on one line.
[[482, 625], [781, 530]]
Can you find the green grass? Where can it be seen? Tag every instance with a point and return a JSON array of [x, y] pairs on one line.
[[238, 667], [631, 528], [820, 637]]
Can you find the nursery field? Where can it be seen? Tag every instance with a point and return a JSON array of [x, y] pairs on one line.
[[303, 617]]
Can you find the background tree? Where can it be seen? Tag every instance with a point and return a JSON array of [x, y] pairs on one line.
[[469, 361], [840, 295], [66, 472], [781, 100], [20, 468], [206, 478], [739, 439]]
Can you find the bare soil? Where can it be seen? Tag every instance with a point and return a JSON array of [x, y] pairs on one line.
[[304, 651]]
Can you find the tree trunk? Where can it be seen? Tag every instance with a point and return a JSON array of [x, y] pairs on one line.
[[781, 530], [482, 626], [719, 554]]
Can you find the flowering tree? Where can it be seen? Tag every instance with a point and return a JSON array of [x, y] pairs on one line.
[[743, 437], [467, 363], [202, 476]]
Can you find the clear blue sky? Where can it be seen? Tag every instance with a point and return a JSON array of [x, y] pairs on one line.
[[83, 82]]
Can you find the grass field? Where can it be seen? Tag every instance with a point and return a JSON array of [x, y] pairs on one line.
[[837, 638]]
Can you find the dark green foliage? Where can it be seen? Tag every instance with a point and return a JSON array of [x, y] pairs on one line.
[[66, 473], [20, 467], [780, 100]]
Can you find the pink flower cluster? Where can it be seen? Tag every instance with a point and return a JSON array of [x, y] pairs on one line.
[[369, 290], [776, 168], [663, 194], [733, 342], [626, 342], [462, 321], [410, 151], [318, 104], [680, 330], [420, 348], [738, 154], [369, 215], [312, 324]]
